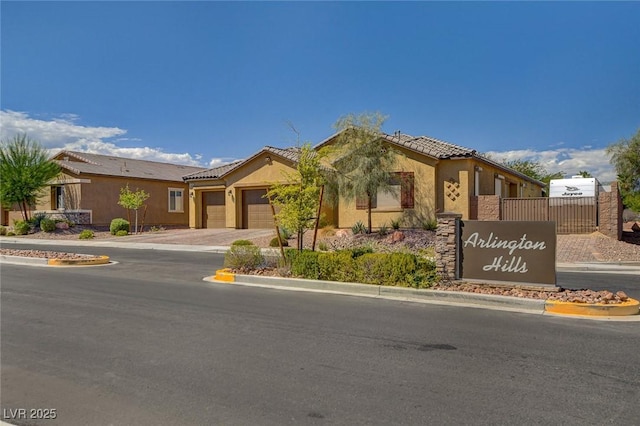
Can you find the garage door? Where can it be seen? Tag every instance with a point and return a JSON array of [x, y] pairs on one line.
[[256, 211], [213, 212]]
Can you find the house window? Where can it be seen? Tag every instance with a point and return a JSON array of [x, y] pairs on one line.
[[399, 196], [57, 197], [176, 200]]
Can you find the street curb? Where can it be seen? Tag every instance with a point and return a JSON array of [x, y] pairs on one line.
[[41, 261], [458, 298], [627, 311]]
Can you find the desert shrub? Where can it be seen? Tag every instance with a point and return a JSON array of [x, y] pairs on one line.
[[285, 234], [328, 231], [157, 228], [359, 251], [122, 233], [243, 256], [395, 224], [359, 228], [87, 234], [10, 234], [305, 264], [47, 225], [337, 266], [36, 219], [21, 227], [323, 246], [119, 224], [383, 230], [275, 243], [3, 230], [430, 225]]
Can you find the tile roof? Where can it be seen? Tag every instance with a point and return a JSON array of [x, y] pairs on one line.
[[291, 154], [430, 146], [107, 165]]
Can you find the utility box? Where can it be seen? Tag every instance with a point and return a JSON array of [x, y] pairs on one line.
[[574, 187]]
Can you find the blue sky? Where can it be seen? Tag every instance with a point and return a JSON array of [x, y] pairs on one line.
[[208, 82]]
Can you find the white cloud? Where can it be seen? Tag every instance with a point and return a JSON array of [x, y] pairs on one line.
[[567, 160], [63, 132]]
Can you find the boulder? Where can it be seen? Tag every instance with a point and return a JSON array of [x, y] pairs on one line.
[[62, 225]]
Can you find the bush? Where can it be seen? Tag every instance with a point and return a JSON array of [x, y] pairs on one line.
[[21, 227], [243, 256], [285, 233], [275, 243], [242, 243], [122, 233], [10, 234], [395, 224], [87, 234], [323, 246], [305, 264], [430, 225], [383, 230], [47, 225], [36, 219], [3, 230], [119, 224], [359, 228], [361, 265]]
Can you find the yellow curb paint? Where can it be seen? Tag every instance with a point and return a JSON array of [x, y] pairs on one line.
[[100, 260], [225, 275], [630, 307]]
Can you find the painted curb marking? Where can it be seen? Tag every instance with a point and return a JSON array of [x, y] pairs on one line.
[[225, 275], [629, 307], [100, 260]]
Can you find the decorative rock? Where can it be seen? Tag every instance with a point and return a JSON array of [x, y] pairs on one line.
[[342, 233], [62, 225], [397, 236], [635, 227]]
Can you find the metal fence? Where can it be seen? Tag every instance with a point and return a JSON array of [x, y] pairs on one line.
[[577, 215]]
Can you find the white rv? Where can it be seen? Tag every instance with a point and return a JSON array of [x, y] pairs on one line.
[[577, 186]]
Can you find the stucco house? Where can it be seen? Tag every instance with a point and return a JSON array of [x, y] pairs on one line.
[[433, 176], [87, 189]]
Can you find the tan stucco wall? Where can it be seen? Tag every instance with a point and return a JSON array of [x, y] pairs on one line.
[[424, 169], [100, 195], [257, 173]]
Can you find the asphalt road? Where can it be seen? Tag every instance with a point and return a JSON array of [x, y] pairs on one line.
[[146, 341]]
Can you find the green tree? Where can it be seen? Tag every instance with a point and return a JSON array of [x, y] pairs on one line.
[[25, 170], [363, 163], [534, 170], [132, 201], [585, 174], [298, 199], [625, 157]]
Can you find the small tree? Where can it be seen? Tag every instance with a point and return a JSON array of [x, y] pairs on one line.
[[625, 157], [132, 201], [298, 198], [585, 174], [25, 170], [363, 163], [534, 170]]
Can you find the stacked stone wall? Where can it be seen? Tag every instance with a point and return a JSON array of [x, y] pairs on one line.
[[446, 245]]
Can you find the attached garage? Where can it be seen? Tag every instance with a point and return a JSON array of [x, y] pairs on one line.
[[256, 211], [213, 209]]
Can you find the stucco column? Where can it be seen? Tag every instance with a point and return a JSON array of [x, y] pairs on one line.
[[447, 245]]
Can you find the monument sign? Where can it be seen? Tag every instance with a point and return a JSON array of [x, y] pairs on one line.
[[523, 252]]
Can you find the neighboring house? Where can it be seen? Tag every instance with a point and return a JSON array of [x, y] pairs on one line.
[[88, 189], [432, 176]]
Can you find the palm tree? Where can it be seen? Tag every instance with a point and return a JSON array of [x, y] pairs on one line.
[[25, 169]]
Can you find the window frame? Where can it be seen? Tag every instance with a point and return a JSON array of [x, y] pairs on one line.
[[178, 208]]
